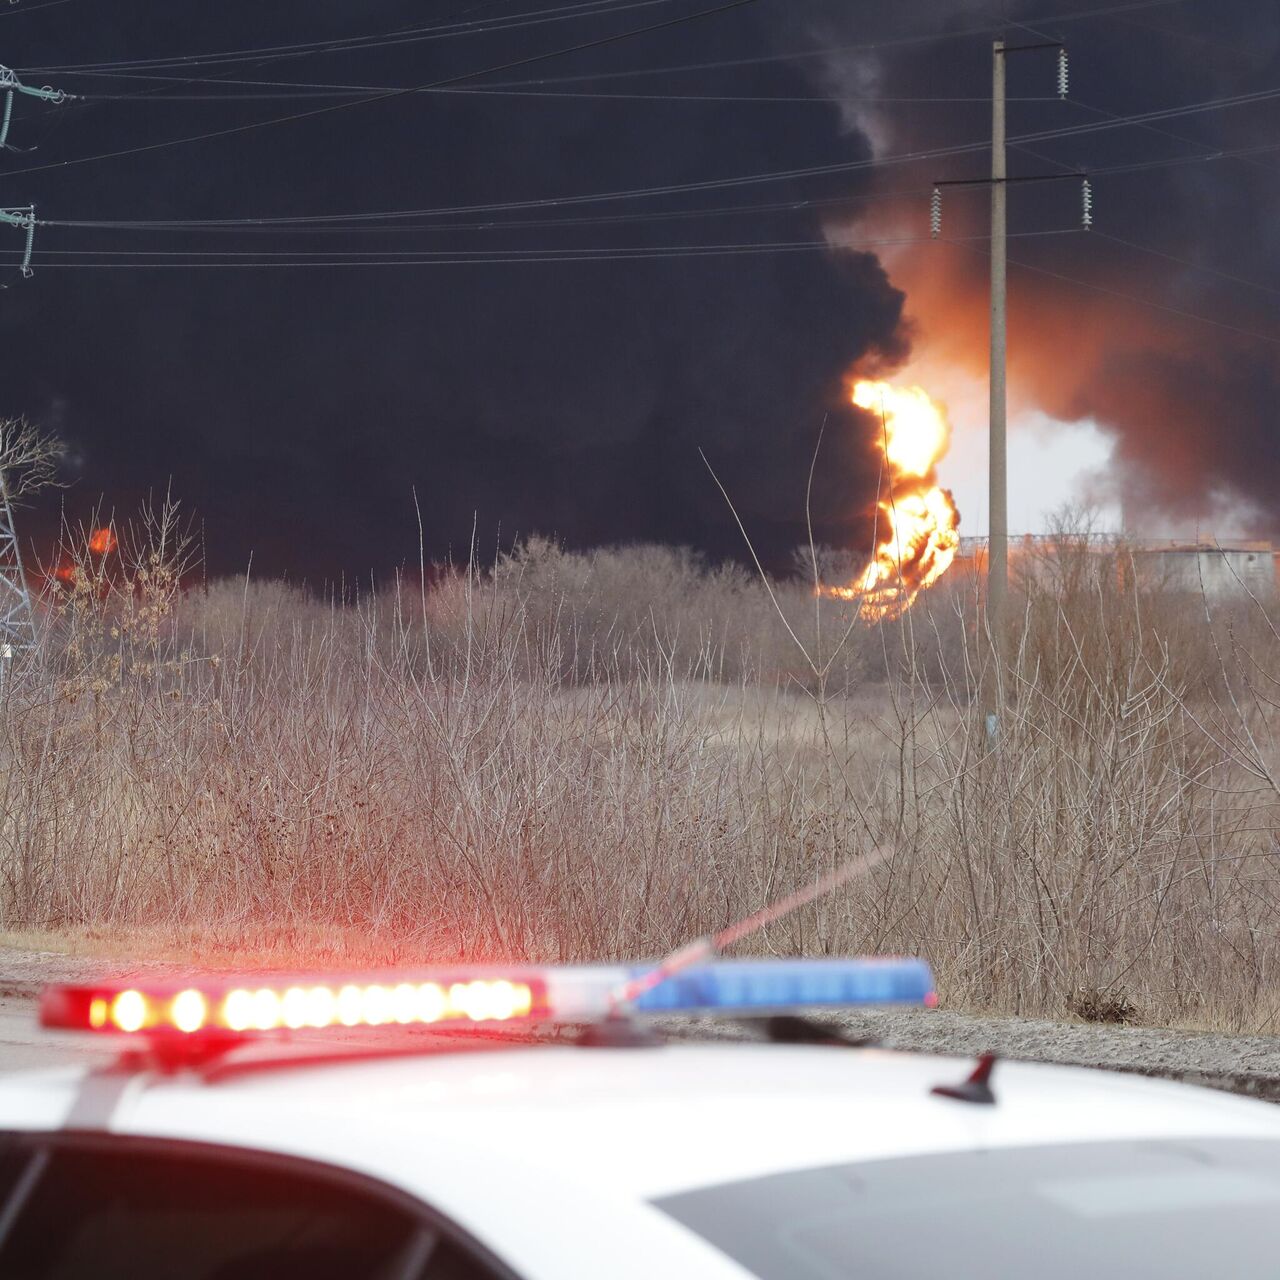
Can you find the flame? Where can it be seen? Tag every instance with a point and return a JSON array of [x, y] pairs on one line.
[[102, 542], [917, 524]]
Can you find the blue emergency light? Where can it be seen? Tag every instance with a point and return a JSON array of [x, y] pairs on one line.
[[752, 986]]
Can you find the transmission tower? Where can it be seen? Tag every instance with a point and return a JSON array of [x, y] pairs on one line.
[[17, 618], [10, 83]]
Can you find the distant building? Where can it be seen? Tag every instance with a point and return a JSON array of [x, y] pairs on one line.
[[1221, 569]]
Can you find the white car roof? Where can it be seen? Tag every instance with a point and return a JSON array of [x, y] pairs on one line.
[[551, 1154], [645, 1122]]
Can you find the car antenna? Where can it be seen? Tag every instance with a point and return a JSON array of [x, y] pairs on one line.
[[618, 1030], [975, 1088]]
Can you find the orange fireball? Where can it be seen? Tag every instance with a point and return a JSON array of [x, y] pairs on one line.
[[917, 524], [102, 542]]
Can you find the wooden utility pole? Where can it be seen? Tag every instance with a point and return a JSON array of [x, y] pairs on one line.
[[997, 449], [997, 460]]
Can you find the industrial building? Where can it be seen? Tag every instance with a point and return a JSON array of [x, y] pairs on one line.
[[1221, 569]]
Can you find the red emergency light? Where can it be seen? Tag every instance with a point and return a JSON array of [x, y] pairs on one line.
[[238, 1008]]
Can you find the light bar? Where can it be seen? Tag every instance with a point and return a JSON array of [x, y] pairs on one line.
[[232, 1009], [255, 1007]]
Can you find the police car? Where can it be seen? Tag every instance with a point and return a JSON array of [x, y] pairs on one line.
[[470, 1124]]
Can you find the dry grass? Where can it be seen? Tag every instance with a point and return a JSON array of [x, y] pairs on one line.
[[576, 757]]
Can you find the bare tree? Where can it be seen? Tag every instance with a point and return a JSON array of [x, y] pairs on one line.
[[29, 458]]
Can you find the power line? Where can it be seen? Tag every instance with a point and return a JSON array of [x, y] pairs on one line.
[[899, 42], [601, 41], [208, 259], [1146, 302], [671, 215], [1142, 166], [1139, 119], [1194, 36], [1188, 262], [31, 8], [409, 35], [339, 91], [405, 35], [306, 224], [427, 254], [711, 184], [823, 243], [1164, 133], [263, 62], [1226, 153]]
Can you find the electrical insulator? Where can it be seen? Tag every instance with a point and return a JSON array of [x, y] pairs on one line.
[[935, 213], [27, 273], [1062, 73], [1086, 205]]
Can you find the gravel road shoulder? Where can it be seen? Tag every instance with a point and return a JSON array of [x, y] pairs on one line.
[[1241, 1064]]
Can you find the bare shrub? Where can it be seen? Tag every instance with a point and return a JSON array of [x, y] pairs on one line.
[[1107, 838], [1112, 1007], [579, 756]]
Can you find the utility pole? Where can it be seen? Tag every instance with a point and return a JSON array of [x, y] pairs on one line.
[[997, 450], [997, 447]]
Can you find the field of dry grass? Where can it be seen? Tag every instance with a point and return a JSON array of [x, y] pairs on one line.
[[569, 757]]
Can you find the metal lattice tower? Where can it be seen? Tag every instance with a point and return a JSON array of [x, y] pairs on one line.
[[17, 618]]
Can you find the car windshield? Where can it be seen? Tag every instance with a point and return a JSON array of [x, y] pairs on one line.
[[1167, 1209]]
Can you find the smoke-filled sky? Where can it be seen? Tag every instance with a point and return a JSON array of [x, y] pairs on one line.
[[615, 259]]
